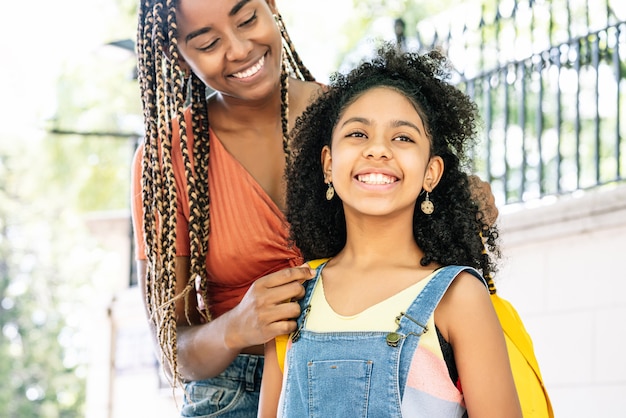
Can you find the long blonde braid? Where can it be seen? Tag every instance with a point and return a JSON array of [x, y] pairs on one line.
[[165, 91]]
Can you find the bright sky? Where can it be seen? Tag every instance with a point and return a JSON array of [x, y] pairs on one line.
[[316, 28], [36, 39], [39, 37]]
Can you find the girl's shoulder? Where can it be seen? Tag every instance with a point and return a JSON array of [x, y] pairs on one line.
[[466, 289], [466, 296]]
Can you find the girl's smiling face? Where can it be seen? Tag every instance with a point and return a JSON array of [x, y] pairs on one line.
[[233, 46], [380, 158]]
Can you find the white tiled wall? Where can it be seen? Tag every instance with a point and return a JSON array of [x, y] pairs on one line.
[[563, 270]]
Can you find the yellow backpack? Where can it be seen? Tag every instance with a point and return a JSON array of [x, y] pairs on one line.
[[530, 388], [531, 391]]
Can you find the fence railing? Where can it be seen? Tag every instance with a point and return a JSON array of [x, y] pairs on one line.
[[550, 81]]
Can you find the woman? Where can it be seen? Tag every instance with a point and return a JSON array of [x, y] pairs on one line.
[[213, 339]]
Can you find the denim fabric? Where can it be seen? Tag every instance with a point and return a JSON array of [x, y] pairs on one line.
[[342, 374], [356, 374], [232, 394]]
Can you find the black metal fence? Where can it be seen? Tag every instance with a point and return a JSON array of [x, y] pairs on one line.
[[550, 80]]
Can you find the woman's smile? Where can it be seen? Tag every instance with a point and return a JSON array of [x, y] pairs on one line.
[[250, 71]]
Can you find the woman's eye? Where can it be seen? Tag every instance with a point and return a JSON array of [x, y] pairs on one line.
[[249, 21], [209, 46]]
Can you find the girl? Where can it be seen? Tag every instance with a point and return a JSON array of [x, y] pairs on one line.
[[398, 322]]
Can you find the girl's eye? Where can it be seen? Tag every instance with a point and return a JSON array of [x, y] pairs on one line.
[[356, 134], [249, 21], [403, 138]]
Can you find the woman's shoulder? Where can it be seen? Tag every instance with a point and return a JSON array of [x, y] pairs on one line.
[[303, 93]]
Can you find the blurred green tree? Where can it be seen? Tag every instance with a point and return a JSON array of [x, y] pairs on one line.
[[40, 348], [48, 261]]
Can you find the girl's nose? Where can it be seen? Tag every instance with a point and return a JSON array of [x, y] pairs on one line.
[[377, 148]]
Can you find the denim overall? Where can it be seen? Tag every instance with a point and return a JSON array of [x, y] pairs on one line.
[[357, 374]]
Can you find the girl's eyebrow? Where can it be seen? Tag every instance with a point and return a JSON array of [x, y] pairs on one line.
[[356, 119], [400, 123], [396, 123], [236, 8]]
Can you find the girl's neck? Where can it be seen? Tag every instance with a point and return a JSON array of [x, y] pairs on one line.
[[376, 263], [378, 243]]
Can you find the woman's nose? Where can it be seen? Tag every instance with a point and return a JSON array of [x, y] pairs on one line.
[[239, 48]]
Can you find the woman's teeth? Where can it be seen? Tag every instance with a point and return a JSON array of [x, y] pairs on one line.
[[252, 70]]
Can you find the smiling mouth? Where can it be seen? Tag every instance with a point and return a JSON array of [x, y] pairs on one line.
[[250, 71], [376, 178]]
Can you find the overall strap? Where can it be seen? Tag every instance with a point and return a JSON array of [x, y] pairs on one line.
[[425, 303], [282, 340], [412, 323], [308, 288]]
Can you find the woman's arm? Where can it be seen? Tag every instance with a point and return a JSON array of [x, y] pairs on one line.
[[468, 321], [206, 349], [271, 384]]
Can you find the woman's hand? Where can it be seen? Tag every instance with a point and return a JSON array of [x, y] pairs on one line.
[[483, 196], [268, 309]]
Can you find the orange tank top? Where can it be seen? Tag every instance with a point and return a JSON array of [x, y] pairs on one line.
[[249, 233]]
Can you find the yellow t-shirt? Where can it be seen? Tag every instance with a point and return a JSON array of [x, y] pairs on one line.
[[379, 317]]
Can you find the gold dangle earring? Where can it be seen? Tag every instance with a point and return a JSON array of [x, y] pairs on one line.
[[330, 192], [427, 206]]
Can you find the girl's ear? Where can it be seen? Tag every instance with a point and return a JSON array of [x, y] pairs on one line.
[[326, 164], [434, 171]]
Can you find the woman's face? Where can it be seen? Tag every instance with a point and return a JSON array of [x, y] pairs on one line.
[[233, 46], [380, 155]]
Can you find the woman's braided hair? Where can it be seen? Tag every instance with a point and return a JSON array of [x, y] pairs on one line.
[[165, 92]]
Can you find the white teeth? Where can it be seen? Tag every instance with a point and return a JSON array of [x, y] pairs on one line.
[[375, 178], [252, 70]]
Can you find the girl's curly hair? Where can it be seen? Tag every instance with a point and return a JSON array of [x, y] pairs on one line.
[[452, 234]]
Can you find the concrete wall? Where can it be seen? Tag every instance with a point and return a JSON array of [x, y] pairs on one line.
[[563, 271], [124, 379]]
